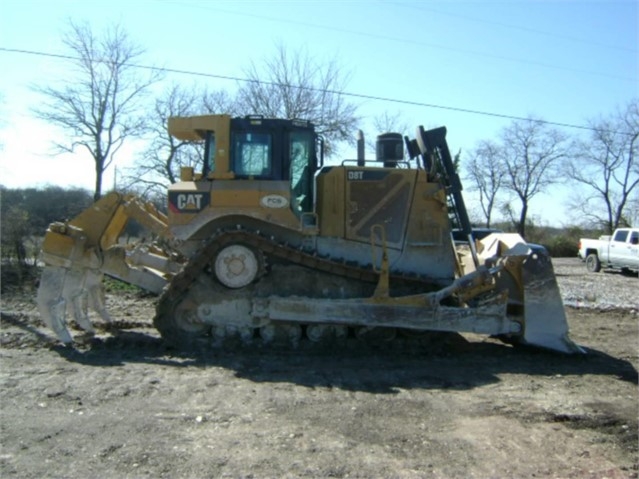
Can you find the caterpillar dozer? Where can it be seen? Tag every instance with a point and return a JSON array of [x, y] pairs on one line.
[[269, 244]]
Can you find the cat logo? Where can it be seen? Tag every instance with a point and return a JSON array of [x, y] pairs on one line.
[[187, 202]]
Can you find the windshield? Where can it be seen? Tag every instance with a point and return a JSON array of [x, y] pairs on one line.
[[252, 154]]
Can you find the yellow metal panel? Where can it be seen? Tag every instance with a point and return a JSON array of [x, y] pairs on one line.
[[186, 173], [58, 244], [330, 202], [194, 128], [239, 198], [378, 196], [114, 228], [99, 217], [428, 222]]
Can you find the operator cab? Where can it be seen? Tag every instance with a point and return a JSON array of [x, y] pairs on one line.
[[271, 150]]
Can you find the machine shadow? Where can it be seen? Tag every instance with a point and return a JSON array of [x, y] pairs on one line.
[[364, 369]]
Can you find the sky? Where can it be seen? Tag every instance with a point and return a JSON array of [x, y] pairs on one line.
[[471, 66]]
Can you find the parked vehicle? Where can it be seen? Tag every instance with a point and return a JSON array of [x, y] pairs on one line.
[[587, 244], [619, 251]]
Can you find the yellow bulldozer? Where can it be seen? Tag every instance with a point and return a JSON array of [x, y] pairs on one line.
[[268, 244]]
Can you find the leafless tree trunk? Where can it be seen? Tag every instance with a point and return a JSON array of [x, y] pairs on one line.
[[608, 166], [97, 104], [295, 85], [486, 173], [531, 153], [633, 209]]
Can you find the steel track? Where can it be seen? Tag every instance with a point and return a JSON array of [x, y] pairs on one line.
[[179, 286]]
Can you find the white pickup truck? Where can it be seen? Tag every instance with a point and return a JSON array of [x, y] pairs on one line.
[[619, 251]]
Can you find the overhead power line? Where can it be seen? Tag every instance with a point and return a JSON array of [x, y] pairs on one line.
[[336, 92], [428, 8], [380, 36]]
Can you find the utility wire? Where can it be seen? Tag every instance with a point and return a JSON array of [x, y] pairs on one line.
[[473, 53], [426, 8], [321, 90]]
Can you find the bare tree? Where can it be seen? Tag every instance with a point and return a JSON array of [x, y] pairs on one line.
[[160, 163], [486, 172], [531, 151], [220, 102], [633, 210], [608, 166], [390, 123], [98, 103], [25, 214], [15, 231], [296, 85]]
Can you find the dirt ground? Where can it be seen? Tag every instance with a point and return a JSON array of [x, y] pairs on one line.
[[126, 405]]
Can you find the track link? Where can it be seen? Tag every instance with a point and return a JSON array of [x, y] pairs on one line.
[[195, 271]]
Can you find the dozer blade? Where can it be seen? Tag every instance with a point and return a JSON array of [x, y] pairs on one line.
[[532, 285], [545, 317]]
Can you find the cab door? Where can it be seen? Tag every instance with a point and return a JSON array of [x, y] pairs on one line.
[[623, 248], [633, 250], [301, 170], [617, 247]]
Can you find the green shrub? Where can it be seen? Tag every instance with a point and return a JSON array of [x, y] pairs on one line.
[[563, 246], [112, 285]]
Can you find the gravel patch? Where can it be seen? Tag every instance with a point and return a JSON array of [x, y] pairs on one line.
[[606, 290]]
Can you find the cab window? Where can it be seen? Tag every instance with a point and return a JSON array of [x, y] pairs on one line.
[[301, 175], [209, 152], [252, 154], [621, 236]]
